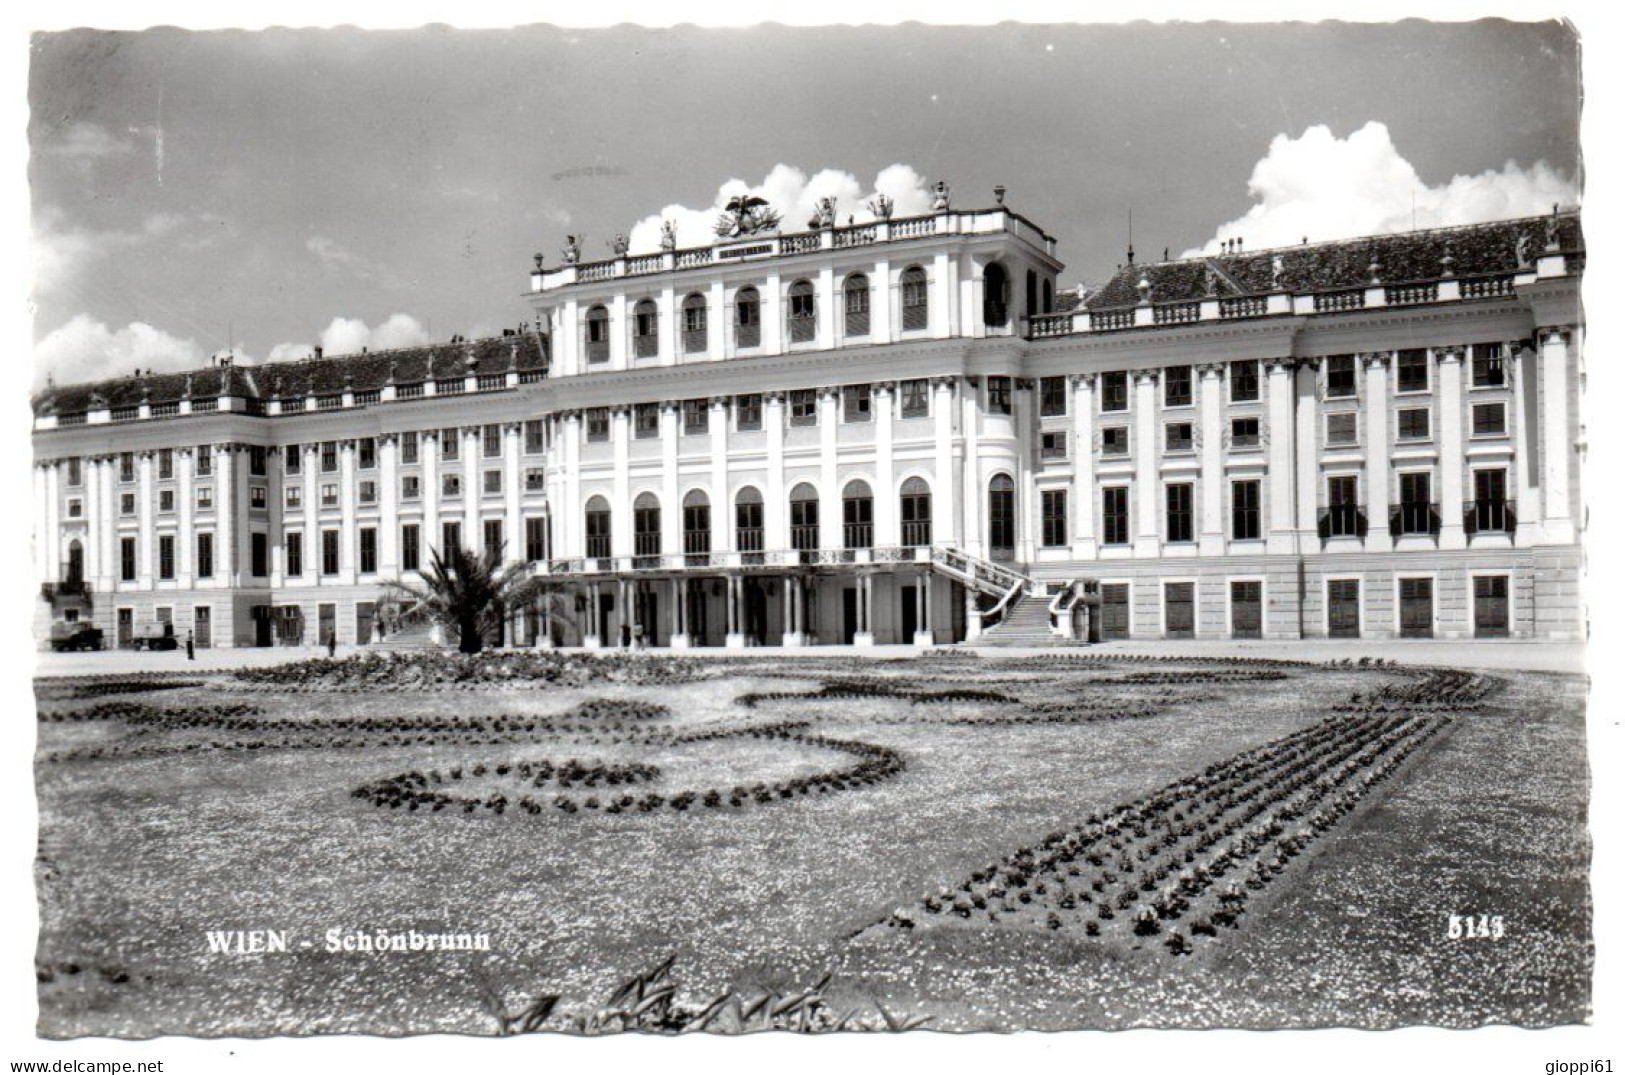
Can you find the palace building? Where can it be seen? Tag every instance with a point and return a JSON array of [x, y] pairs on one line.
[[897, 432]]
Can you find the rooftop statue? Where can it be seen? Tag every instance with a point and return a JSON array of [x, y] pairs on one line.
[[668, 235], [881, 207], [572, 248], [746, 214], [939, 198]]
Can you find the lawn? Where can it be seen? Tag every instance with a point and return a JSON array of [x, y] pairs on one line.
[[1306, 831]]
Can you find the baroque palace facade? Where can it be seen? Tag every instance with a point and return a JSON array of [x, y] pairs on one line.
[[896, 432]]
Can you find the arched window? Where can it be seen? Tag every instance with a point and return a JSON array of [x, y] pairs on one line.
[[858, 515], [748, 318], [856, 293], [804, 517], [1001, 516], [598, 334], [76, 563], [1032, 293], [597, 528], [645, 329], [915, 503], [916, 300], [995, 296], [803, 312], [748, 523], [646, 525], [697, 527], [695, 339]]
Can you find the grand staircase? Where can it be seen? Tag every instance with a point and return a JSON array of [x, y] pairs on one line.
[[1025, 623]]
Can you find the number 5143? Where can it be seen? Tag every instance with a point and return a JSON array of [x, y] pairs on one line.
[[1475, 927]]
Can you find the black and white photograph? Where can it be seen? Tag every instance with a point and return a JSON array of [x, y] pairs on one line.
[[885, 531]]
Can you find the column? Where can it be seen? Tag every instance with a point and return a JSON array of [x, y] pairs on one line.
[[473, 490], [773, 335], [1082, 509], [679, 614], [513, 528], [1306, 456], [312, 551], [973, 614], [41, 514], [718, 319], [275, 480], [1147, 493], [945, 525], [53, 521], [923, 634], [940, 311], [185, 541], [791, 584], [826, 296], [93, 524], [347, 512], [1452, 459], [146, 536], [736, 635], [775, 512], [1211, 401], [829, 512], [1557, 445], [1026, 474], [1520, 365], [1378, 538], [880, 305], [886, 531], [109, 531], [1281, 430], [668, 325], [429, 535], [722, 507], [619, 330], [970, 426], [590, 638], [865, 635], [671, 490], [389, 515]]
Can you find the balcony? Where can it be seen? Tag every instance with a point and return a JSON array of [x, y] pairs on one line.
[[1489, 516], [858, 535], [1342, 521], [1414, 518]]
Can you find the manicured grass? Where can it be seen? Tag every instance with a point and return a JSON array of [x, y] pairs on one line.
[[155, 831]]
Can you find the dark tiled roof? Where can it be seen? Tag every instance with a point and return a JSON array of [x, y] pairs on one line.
[[297, 379], [1407, 257]]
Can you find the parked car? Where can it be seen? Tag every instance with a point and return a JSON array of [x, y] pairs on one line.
[[75, 636], [154, 638]]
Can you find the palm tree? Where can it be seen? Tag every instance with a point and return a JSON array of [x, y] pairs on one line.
[[467, 593]]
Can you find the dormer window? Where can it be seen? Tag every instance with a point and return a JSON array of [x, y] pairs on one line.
[[856, 294], [645, 330], [598, 334], [803, 312], [748, 318]]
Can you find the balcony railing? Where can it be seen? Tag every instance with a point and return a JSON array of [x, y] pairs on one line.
[[917, 532], [858, 535], [1342, 520], [1411, 294], [1335, 301], [1413, 518], [1490, 516]]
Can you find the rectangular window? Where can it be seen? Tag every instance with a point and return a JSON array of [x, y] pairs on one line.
[[451, 485], [1180, 524], [1052, 445], [491, 441], [916, 400], [259, 554], [205, 556], [205, 460], [75, 473], [293, 552], [856, 403], [493, 535], [256, 461], [1245, 520], [1489, 419], [1340, 378], [1176, 386], [804, 407], [1114, 515], [409, 447], [1343, 427], [1051, 397], [330, 552], [536, 538], [748, 412], [1413, 423], [998, 395], [597, 423], [1244, 433], [330, 495], [126, 466], [1244, 381], [257, 497], [1114, 440], [330, 457], [76, 508], [126, 503], [1343, 517], [1489, 369], [292, 457], [368, 492], [166, 463], [535, 436], [646, 420], [536, 480], [1413, 371], [1490, 511], [1416, 503], [1053, 502], [696, 417], [411, 487], [166, 500], [367, 453], [409, 547], [1177, 437], [451, 535], [493, 482], [368, 537], [450, 444], [1114, 392], [166, 556], [126, 558]]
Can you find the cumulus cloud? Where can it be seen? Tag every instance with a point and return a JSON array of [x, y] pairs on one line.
[[85, 349], [65, 251], [350, 335], [795, 196], [1323, 187]]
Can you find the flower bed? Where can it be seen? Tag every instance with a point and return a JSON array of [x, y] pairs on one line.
[[417, 671]]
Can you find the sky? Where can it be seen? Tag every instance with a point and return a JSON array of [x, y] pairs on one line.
[[264, 192]]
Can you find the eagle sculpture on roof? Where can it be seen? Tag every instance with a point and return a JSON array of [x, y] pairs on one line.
[[745, 214]]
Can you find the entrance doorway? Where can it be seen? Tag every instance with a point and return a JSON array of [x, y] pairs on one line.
[[1179, 609], [1114, 611], [911, 613], [1343, 608], [126, 627], [1491, 618], [1415, 608], [1247, 609]]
